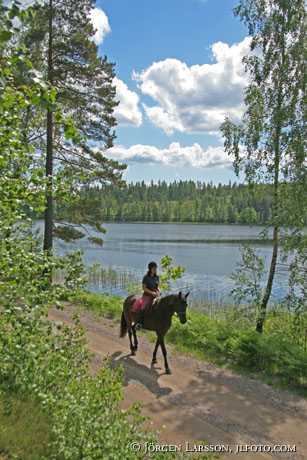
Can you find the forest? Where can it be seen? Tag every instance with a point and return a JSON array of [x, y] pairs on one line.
[[182, 201]]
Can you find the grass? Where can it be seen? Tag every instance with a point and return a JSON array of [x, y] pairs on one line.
[[24, 429], [25, 432], [103, 305], [276, 356]]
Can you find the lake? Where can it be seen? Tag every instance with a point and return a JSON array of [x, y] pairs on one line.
[[209, 254]]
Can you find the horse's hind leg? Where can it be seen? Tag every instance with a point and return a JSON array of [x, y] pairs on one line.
[[136, 343], [130, 340]]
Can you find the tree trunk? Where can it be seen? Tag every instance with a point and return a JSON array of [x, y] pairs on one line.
[[48, 238], [48, 229], [268, 289], [269, 285]]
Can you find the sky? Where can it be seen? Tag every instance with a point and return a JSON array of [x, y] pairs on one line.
[[179, 72]]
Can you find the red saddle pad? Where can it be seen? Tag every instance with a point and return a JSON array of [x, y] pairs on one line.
[[138, 305]]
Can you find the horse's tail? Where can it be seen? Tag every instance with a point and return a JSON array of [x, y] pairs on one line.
[[123, 326]]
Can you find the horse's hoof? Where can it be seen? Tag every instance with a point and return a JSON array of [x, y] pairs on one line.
[[168, 371], [132, 352], [154, 361]]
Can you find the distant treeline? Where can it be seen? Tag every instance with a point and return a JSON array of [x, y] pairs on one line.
[[180, 201]]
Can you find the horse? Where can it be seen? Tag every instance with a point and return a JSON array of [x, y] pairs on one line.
[[158, 319]]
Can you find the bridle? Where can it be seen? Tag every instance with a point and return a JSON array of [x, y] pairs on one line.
[[181, 313]]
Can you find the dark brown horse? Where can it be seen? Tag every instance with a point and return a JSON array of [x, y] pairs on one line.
[[158, 319]]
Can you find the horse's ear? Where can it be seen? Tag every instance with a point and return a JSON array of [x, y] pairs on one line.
[[187, 295], [180, 295]]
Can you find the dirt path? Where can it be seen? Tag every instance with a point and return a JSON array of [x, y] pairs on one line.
[[200, 401]]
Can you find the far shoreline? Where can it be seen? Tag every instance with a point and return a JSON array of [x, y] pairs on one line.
[[183, 223]]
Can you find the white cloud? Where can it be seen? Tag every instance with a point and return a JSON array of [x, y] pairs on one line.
[[128, 111], [173, 155], [196, 98], [100, 23]]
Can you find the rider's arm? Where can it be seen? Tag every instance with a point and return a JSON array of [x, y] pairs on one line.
[[148, 291]]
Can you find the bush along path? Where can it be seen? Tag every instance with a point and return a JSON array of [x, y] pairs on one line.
[[199, 401]]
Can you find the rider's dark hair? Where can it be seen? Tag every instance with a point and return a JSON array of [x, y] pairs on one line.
[[150, 266]]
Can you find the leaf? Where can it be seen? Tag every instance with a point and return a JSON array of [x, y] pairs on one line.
[[14, 11], [5, 35], [96, 240]]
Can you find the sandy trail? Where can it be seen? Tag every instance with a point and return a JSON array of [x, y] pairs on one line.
[[200, 401]]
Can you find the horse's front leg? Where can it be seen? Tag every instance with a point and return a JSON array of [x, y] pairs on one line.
[[154, 355], [136, 343], [130, 340], [163, 347]]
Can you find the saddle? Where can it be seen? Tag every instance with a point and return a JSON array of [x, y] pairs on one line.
[[143, 303]]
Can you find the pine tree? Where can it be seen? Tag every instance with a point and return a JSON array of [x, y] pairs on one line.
[[60, 39]]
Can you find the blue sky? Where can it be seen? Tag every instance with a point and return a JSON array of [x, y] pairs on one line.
[[179, 72]]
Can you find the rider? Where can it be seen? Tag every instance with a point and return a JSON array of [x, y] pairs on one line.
[[150, 290]]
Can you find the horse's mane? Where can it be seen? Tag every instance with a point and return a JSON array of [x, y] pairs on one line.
[[165, 299]]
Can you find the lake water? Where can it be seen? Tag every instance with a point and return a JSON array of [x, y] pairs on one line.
[[209, 254]]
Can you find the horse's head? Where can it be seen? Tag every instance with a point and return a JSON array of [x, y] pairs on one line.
[[181, 307]]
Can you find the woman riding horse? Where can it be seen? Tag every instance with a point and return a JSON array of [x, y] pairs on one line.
[[151, 291], [155, 316]]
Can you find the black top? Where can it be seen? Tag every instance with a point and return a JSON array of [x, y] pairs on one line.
[[151, 282]]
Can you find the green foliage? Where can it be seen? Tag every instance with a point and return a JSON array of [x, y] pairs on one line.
[[248, 277], [67, 233], [89, 423], [268, 146], [83, 90], [273, 123], [297, 296], [96, 240], [170, 273], [274, 355], [296, 299], [107, 305], [183, 201]]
